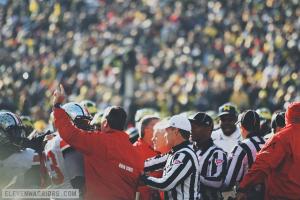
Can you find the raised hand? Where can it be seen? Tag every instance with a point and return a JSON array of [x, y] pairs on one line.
[[59, 95]]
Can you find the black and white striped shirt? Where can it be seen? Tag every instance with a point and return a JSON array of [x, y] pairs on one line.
[[213, 163], [241, 159], [180, 178]]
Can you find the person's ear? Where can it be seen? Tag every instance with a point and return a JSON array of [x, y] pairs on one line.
[[211, 128], [105, 123], [243, 130]]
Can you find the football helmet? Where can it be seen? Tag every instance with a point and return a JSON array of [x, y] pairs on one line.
[[143, 112], [11, 129], [265, 120], [133, 134], [96, 121], [264, 113], [90, 106], [79, 115]]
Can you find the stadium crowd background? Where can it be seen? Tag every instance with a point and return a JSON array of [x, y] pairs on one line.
[[194, 55]]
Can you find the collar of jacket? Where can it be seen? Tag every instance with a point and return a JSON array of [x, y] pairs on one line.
[[205, 146], [253, 134], [180, 146], [236, 135], [140, 141], [114, 131]]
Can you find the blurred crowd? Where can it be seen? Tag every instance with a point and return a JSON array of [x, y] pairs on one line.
[[183, 55]]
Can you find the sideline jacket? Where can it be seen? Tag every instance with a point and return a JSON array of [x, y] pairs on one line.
[[111, 164], [278, 162], [180, 178], [145, 151]]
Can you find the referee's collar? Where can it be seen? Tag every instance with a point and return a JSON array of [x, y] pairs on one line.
[[180, 146], [205, 146], [253, 134]]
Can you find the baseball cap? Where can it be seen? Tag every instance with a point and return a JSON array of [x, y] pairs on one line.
[[250, 120], [227, 109], [179, 121], [202, 119]]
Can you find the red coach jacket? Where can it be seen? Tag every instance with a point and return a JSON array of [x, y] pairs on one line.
[[278, 162], [111, 164]]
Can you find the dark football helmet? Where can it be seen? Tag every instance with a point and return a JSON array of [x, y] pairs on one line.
[[11, 130], [79, 115]]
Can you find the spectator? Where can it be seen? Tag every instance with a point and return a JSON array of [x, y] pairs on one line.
[[188, 54], [276, 164], [111, 171]]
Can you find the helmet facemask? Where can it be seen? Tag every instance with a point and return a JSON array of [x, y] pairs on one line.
[[83, 122], [17, 136], [79, 115]]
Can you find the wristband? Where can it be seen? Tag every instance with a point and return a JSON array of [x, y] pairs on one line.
[[57, 105]]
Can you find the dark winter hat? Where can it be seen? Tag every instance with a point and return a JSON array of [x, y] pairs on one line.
[[278, 120], [250, 120]]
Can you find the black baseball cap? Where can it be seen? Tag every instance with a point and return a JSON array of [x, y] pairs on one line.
[[202, 119], [227, 109], [250, 120]]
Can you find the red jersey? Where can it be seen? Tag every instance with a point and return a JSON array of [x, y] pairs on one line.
[[111, 164], [277, 164]]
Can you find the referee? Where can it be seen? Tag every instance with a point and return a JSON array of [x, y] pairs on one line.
[[180, 178], [212, 160], [244, 154]]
